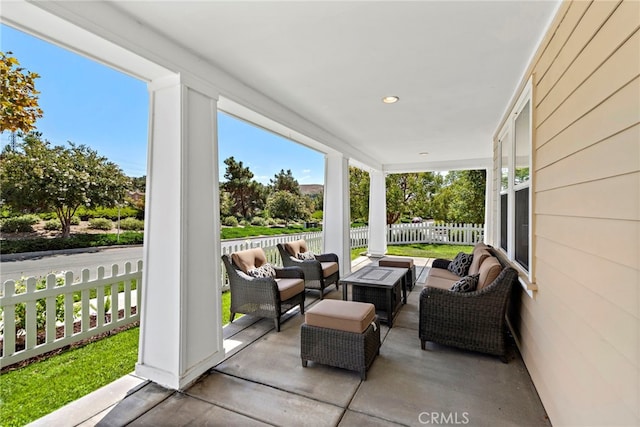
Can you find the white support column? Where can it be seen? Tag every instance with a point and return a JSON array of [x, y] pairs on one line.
[[488, 207], [336, 221], [377, 214], [181, 330]]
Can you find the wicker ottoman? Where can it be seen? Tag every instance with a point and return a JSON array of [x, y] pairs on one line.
[[410, 278], [344, 334]]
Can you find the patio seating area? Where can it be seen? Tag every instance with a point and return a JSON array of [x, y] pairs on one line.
[[262, 382]]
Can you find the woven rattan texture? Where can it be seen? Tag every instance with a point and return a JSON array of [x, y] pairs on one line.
[[348, 350]]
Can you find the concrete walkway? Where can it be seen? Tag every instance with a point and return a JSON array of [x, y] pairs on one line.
[[262, 382]]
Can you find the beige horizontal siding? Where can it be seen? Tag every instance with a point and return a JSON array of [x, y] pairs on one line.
[[618, 112], [586, 28], [552, 49], [621, 150], [591, 235], [603, 83], [612, 198], [602, 54], [580, 332]]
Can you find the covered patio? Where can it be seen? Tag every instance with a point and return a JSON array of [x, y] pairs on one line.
[[262, 382], [543, 95]]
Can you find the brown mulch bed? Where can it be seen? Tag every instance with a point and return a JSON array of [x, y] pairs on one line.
[[77, 327]]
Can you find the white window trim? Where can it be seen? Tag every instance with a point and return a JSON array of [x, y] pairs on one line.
[[506, 136]]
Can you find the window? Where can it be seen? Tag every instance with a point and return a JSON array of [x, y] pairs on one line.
[[514, 196]]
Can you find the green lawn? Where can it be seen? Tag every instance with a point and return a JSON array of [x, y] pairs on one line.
[[40, 388], [31, 392], [420, 250], [254, 231]]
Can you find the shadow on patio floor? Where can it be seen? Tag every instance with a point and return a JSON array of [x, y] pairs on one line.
[[262, 382]]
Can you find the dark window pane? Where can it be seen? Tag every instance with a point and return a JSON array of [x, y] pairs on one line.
[[522, 227], [503, 220]]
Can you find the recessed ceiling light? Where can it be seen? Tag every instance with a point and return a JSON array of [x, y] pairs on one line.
[[423, 153], [390, 99]]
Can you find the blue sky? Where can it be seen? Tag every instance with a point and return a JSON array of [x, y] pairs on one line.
[[88, 103]]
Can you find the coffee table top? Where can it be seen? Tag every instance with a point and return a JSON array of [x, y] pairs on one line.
[[375, 276]]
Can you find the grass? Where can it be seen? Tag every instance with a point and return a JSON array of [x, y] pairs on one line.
[[42, 387], [420, 250], [429, 251], [255, 231]]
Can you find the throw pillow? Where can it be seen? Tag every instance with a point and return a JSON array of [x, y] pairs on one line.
[[460, 264], [265, 270], [306, 255], [466, 284]]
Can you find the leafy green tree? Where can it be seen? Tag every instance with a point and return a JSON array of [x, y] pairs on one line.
[[139, 183], [37, 177], [247, 195], [226, 203], [403, 190], [18, 97], [284, 181], [359, 194], [283, 204], [428, 185], [463, 200]]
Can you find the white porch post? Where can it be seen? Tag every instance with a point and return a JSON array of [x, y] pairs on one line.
[[488, 208], [336, 221], [377, 214], [181, 331]]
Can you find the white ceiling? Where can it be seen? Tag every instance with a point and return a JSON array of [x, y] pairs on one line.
[[454, 65]]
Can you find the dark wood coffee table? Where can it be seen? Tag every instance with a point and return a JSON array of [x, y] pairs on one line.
[[380, 286]]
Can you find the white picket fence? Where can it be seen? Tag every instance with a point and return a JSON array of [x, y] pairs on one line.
[[84, 315], [432, 232], [87, 316], [424, 232]]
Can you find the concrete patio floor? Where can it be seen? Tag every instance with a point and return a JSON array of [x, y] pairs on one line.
[[262, 382]]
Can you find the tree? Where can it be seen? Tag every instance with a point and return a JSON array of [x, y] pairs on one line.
[[463, 199], [284, 181], [247, 194], [39, 178], [359, 194], [18, 97], [468, 204], [283, 204], [139, 184], [402, 190]]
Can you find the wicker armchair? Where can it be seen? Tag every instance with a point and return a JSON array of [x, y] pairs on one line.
[[319, 273], [264, 297], [471, 320]]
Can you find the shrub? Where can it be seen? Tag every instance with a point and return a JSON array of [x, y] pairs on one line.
[[110, 213], [243, 222], [19, 224], [100, 224], [132, 224], [317, 215], [271, 221], [230, 221], [259, 221], [53, 224], [75, 241], [75, 220], [47, 215]]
